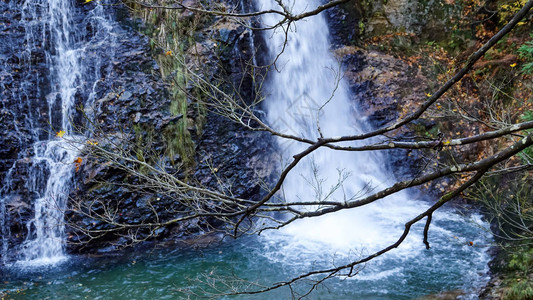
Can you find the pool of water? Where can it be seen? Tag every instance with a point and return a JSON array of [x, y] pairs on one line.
[[408, 272]]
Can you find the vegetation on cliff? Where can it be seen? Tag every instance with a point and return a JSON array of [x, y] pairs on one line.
[[497, 93]]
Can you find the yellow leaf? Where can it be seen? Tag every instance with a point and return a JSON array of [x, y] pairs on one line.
[[60, 133]]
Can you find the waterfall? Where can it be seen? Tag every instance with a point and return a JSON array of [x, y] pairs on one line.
[[306, 96], [67, 36]]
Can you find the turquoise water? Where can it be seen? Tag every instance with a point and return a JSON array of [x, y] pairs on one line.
[[406, 273]]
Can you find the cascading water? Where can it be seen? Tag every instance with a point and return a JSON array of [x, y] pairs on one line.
[[308, 98], [51, 29], [296, 94]]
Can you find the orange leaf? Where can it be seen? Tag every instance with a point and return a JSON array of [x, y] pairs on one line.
[[60, 133], [77, 163]]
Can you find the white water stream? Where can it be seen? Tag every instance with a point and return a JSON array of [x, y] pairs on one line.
[[307, 96], [67, 43], [54, 157]]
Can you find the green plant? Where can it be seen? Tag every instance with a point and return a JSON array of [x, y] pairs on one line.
[[177, 136], [172, 34], [144, 136], [527, 154], [526, 52], [518, 285], [522, 261], [519, 290], [361, 27]]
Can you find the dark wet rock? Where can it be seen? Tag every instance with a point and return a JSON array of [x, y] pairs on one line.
[[127, 88], [201, 241], [427, 19], [136, 102], [129, 94], [382, 85], [235, 160], [345, 23]]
